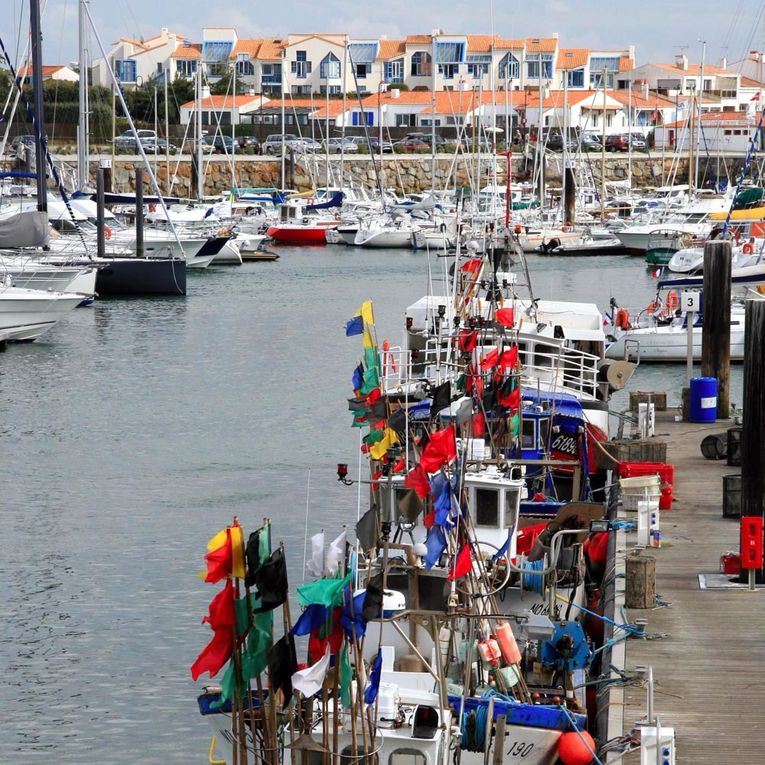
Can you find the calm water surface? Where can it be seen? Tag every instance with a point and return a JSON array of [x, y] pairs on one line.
[[136, 429]]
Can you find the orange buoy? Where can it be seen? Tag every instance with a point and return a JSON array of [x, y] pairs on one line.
[[748, 249], [622, 318], [576, 748], [508, 644], [107, 232], [518, 228]]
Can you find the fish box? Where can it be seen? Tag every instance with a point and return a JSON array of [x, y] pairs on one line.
[[631, 450], [657, 398], [665, 472]]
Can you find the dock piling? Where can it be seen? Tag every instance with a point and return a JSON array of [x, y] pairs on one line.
[[100, 220], [715, 346], [139, 248]]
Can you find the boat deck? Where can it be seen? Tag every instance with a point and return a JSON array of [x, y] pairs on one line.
[[707, 654]]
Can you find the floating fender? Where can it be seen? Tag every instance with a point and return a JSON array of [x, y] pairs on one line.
[[576, 748]]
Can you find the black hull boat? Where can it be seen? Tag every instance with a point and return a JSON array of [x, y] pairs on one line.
[[141, 276]]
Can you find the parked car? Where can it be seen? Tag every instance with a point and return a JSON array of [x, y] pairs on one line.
[[340, 145], [127, 141], [273, 142], [372, 144], [248, 142], [591, 142], [221, 143], [555, 142], [309, 145], [639, 142], [411, 145], [617, 142], [426, 138]]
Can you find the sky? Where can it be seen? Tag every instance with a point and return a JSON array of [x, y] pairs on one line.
[[659, 29]]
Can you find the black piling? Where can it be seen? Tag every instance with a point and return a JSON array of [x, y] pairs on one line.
[[100, 220], [569, 200], [715, 346], [106, 166], [139, 248]]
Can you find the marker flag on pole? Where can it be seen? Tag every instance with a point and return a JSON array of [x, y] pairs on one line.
[[462, 565], [370, 694]]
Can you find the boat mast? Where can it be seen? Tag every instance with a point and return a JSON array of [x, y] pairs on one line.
[[564, 155], [200, 169], [629, 133], [698, 121], [83, 129], [34, 22], [167, 134], [603, 154], [540, 142]]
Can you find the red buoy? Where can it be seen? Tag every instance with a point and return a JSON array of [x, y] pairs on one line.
[[573, 750]]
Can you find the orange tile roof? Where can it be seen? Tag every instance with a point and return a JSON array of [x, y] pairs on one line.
[[26, 71], [626, 63], [131, 41], [653, 101], [573, 58], [693, 69], [223, 102], [714, 117], [335, 108], [271, 49], [249, 46], [192, 51], [483, 43], [748, 82], [418, 39], [391, 49], [541, 44]]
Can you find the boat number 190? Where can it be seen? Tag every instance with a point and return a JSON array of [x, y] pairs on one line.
[[520, 749]]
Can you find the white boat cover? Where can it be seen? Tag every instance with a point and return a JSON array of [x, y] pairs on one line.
[[24, 229]]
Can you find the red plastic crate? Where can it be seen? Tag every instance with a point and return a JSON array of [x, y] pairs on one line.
[[665, 472]]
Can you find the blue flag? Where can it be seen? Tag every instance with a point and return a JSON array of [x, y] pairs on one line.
[[354, 326], [370, 694], [436, 544], [314, 617], [353, 622], [358, 377]]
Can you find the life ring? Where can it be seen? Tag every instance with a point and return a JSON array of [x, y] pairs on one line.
[[748, 249], [107, 232], [673, 300], [622, 319], [518, 228], [654, 305], [152, 207], [566, 229]]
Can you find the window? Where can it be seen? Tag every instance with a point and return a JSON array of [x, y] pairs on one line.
[[301, 90], [598, 64], [245, 67], [334, 90], [449, 70], [405, 120], [540, 62], [478, 65], [362, 118], [301, 67], [428, 122], [509, 68], [450, 52], [512, 505], [271, 74], [363, 52], [217, 50], [185, 67], [394, 70], [421, 64], [362, 70], [576, 78], [487, 508], [330, 67], [125, 69]]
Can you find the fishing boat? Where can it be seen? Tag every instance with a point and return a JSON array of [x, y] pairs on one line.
[[663, 244]]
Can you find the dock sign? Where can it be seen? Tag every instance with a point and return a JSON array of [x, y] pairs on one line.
[[689, 300]]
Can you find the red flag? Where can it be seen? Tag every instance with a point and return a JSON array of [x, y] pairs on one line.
[[430, 519], [479, 425], [471, 266], [468, 340], [505, 317], [221, 610], [221, 618], [317, 643], [491, 359], [399, 466], [512, 400], [373, 396], [417, 480], [509, 358], [441, 449], [219, 561], [462, 565]]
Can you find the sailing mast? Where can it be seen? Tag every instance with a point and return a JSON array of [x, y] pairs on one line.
[[603, 154], [83, 128], [34, 20]]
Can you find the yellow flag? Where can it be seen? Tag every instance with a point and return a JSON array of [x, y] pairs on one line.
[[367, 338], [217, 541], [377, 451], [367, 315], [237, 552]]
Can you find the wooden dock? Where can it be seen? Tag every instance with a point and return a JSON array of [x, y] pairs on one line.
[[707, 649]]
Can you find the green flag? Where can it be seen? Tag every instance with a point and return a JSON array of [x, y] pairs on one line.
[[346, 676], [323, 592]]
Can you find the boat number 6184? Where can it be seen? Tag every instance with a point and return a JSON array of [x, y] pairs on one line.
[[519, 749]]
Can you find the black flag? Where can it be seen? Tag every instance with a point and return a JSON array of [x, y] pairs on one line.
[[366, 529], [442, 397], [282, 664], [271, 582], [373, 599]]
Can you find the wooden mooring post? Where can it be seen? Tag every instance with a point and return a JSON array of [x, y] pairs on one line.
[[752, 441], [715, 343], [640, 581]]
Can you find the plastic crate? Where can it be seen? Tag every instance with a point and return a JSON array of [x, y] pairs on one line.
[[734, 446], [665, 472], [731, 496], [638, 489]]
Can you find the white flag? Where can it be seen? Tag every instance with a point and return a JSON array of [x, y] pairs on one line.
[[335, 554], [309, 680], [315, 565]]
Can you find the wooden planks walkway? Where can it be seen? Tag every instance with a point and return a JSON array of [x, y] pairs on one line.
[[710, 669]]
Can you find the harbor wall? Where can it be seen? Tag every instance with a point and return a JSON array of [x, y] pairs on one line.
[[405, 174]]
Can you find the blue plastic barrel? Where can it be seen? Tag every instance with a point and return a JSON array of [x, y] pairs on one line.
[[703, 399]]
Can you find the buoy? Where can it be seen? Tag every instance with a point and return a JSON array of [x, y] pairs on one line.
[[489, 651], [107, 232], [748, 249], [573, 750], [622, 318], [518, 228], [673, 301], [507, 644]]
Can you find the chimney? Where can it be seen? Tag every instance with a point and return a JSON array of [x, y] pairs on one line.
[[681, 62], [555, 35], [723, 63], [645, 89]]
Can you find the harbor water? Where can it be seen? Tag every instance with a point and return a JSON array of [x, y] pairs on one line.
[[135, 430]]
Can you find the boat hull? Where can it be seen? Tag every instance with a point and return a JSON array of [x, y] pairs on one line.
[[298, 234], [669, 344], [25, 317], [141, 276]]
